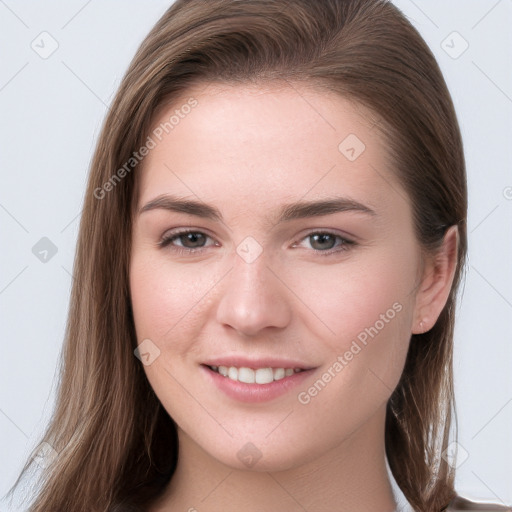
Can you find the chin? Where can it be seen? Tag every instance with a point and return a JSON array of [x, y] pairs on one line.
[[249, 458]]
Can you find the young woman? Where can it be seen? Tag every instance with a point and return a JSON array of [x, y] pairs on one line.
[[266, 275]]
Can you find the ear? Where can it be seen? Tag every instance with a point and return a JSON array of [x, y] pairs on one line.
[[436, 282]]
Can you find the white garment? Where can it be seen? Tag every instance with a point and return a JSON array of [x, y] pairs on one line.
[[402, 504]]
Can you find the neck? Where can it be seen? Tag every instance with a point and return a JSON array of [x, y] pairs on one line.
[[351, 476]]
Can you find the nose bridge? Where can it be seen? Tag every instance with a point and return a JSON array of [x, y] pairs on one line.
[[252, 298]]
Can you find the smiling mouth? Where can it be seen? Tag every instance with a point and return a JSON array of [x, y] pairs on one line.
[[250, 376]]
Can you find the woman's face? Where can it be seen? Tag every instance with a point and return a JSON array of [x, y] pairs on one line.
[[302, 257]]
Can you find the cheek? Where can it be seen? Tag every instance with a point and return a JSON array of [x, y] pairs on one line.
[[363, 313], [348, 299], [168, 310], [164, 297], [368, 311]]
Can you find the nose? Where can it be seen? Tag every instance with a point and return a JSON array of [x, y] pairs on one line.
[[253, 298]]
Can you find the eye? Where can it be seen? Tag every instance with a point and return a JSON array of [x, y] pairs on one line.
[[190, 240], [325, 242]]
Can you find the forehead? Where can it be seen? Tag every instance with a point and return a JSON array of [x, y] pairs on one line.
[[272, 141]]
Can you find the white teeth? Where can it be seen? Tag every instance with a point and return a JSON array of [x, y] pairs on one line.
[[259, 376], [246, 375], [264, 375], [279, 373]]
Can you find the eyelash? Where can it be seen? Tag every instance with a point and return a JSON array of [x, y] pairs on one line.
[[166, 242]]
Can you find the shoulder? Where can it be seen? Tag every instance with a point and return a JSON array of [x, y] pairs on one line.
[[460, 504]]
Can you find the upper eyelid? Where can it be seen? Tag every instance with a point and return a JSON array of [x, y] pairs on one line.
[[345, 240], [171, 236], [175, 234]]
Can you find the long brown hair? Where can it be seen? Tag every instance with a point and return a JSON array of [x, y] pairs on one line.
[[116, 447]]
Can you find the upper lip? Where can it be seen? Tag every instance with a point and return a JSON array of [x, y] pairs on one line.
[[266, 362]]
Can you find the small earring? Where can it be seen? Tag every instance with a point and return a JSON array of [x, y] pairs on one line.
[[421, 327]]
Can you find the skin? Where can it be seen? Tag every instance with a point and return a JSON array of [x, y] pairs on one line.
[[248, 150]]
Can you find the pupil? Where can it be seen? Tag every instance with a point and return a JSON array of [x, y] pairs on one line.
[[193, 237], [322, 239]]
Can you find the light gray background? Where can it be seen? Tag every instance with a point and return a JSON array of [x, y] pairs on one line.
[[51, 113]]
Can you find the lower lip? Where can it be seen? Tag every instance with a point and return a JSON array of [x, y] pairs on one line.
[[254, 393]]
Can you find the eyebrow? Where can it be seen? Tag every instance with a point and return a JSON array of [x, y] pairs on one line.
[[288, 212]]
